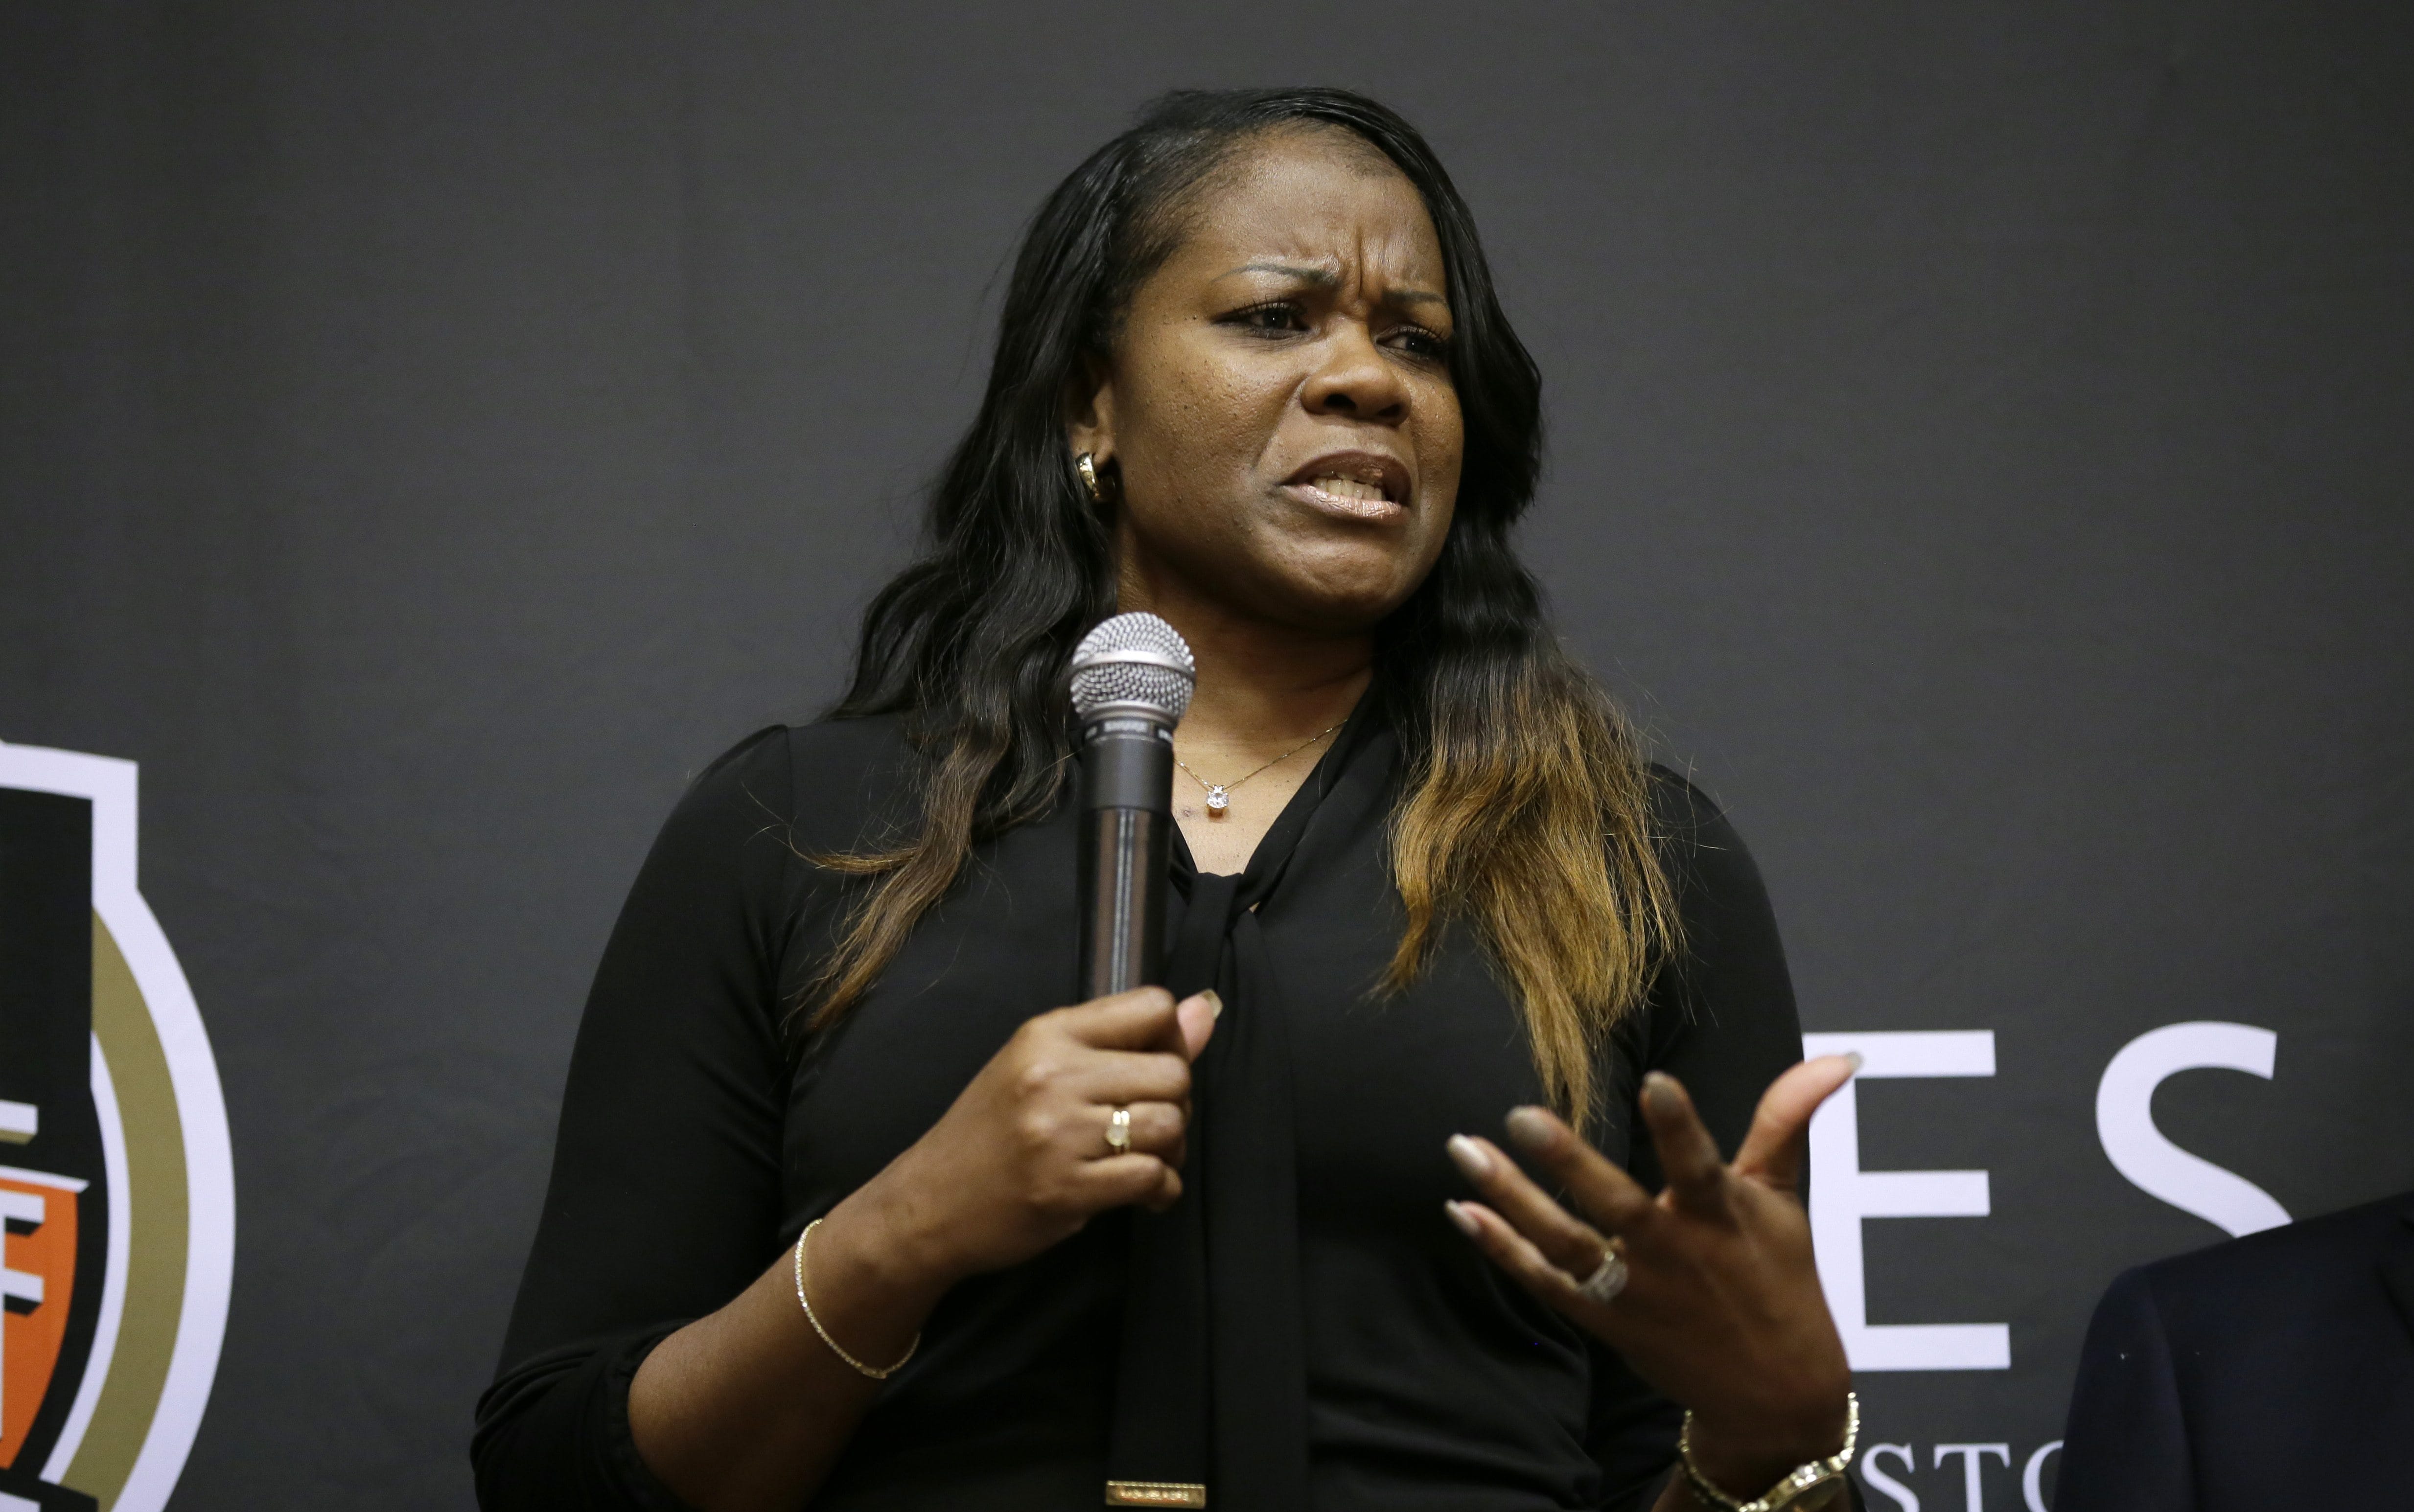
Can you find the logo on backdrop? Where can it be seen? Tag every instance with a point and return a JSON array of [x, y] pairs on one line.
[[116, 1185]]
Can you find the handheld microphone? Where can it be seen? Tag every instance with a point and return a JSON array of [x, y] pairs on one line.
[[1132, 677]]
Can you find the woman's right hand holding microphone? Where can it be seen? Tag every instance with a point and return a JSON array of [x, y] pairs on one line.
[[742, 1409], [1028, 1153]]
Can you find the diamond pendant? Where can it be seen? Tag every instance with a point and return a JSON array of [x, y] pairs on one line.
[[1218, 800]]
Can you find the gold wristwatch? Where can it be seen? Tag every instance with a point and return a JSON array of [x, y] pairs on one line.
[[1798, 1483]]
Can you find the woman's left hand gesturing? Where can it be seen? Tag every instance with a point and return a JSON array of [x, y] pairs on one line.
[[1722, 1309]]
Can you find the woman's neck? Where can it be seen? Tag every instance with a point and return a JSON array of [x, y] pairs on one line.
[[1262, 689], [1268, 696], [1267, 700]]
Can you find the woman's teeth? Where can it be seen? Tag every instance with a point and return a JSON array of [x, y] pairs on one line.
[[1350, 488]]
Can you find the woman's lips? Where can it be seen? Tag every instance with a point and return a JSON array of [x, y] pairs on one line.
[[1352, 497]]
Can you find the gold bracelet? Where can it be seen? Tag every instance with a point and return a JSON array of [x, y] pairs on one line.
[[1803, 1480], [872, 1370]]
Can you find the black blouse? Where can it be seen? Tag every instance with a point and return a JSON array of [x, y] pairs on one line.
[[698, 1136]]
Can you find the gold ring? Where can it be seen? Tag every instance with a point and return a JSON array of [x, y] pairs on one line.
[[1118, 1130]]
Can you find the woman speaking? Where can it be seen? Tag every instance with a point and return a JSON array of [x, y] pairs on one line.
[[850, 1211]]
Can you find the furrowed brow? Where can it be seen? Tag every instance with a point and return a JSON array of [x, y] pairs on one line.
[[1320, 277], [1326, 278]]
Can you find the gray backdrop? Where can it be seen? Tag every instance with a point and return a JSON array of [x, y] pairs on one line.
[[1981, 451]]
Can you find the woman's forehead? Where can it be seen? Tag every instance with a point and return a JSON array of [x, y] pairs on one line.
[[1323, 199]]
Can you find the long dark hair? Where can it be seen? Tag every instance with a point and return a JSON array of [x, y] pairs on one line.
[[1525, 807]]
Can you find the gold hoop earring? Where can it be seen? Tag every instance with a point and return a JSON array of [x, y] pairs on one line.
[[1089, 472]]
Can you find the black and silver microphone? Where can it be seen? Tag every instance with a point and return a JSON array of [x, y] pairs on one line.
[[1132, 678]]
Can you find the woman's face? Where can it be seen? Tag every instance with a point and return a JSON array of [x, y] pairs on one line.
[[1278, 405]]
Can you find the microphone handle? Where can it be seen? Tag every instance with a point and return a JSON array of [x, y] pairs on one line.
[[1127, 846]]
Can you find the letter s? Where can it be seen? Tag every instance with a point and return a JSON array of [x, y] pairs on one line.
[[1903, 1497], [2124, 1123]]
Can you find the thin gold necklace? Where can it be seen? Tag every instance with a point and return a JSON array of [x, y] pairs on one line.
[[1219, 794]]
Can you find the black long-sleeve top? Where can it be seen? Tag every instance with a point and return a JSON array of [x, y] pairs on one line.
[[699, 1135]]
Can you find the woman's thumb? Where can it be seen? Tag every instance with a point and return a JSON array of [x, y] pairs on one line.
[[1197, 1016]]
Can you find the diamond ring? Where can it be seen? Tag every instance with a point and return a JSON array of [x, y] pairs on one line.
[[1607, 1281]]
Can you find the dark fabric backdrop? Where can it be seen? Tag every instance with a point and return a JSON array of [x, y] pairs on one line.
[[1981, 454]]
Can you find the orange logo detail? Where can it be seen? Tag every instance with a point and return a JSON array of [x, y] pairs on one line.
[[37, 1262]]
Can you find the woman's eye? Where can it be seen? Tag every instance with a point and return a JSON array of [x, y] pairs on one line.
[[1419, 342], [1269, 320]]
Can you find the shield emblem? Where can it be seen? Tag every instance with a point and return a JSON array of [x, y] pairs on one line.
[[53, 1244], [116, 1182]]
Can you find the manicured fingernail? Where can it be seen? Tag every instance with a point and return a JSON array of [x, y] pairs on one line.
[[1531, 1127], [1214, 1005], [1852, 1059], [1470, 1157], [1659, 1092], [1465, 1220]]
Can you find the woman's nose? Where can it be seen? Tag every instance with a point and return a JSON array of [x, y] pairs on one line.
[[1355, 380]]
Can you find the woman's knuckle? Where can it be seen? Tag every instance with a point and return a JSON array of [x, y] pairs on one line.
[[1036, 1128], [1036, 1076]]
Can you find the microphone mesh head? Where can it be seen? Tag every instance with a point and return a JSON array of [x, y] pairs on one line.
[[1134, 659]]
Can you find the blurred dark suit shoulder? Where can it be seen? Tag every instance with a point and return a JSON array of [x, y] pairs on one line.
[[2273, 1370]]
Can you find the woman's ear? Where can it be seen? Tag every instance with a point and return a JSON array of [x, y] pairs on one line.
[[1089, 413]]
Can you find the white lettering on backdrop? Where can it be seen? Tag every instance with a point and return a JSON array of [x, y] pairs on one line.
[[2032, 1476], [1905, 1498], [1973, 1459], [2124, 1123], [1843, 1194], [1974, 1487]]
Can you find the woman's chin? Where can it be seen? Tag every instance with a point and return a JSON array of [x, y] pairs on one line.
[[1317, 582], [1344, 603]]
